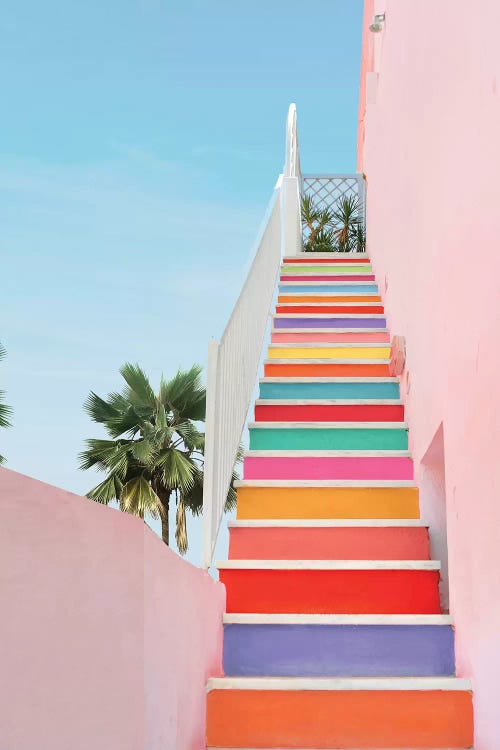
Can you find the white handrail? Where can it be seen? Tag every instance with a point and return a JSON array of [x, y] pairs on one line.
[[234, 360], [292, 158]]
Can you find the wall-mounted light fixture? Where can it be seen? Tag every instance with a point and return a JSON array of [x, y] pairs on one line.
[[378, 21]]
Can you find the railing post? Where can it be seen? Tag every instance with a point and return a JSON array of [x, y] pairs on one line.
[[292, 228], [211, 443]]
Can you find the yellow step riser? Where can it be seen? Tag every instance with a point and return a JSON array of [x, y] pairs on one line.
[[326, 352]]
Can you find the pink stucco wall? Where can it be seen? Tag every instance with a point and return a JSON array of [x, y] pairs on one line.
[[430, 148], [106, 636]]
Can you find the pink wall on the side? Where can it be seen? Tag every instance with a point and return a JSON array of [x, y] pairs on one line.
[[431, 153], [106, 636]]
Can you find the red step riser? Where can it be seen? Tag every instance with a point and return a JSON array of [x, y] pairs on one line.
[[332, 592], [333, 413], [327, 309]]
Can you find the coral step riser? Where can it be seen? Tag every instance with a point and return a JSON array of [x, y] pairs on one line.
[[344, 543], [327, 277], [329, 338], [365, 288], [331, 591], [339, 719], [329, 412], [327, 502], [339, 390], [326, 467], [333, 322], [324, 370], [338, 650], [329, 352], [330, 309], [283, 439]]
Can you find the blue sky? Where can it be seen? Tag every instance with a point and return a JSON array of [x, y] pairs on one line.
[[140, 145]]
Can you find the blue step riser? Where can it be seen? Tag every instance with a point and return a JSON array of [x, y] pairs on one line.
[[329, 289], [339, 650], [329, 390]]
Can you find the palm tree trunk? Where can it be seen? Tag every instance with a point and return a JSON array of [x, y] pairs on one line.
[[164, 496]]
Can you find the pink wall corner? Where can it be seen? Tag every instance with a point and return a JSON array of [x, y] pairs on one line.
[[430, 153], [106, 637]]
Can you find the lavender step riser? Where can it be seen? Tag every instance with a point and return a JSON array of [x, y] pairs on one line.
[[339, 650], [330, 323]]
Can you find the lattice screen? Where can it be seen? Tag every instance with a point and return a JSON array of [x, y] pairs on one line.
[[326, 190]]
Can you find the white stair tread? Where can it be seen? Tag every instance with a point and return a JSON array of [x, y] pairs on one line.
[[326, 523], [374, 316], [325, 483], [308, 619], [328, 380], [328, 425], [328, 330], [325, 255], [328, 564], [329, 401], [327, 454], [338, 683], [323, 282]]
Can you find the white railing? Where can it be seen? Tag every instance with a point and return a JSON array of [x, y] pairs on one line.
[[233, 361]]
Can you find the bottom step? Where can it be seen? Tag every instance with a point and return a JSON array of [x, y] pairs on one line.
[[363, 713]]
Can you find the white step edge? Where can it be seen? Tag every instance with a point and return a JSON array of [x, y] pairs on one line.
[[300, 282], [270, 454], [325, 361], [327, 523], [326, 255], [328, 565], [329, 330], [338, 683], [328, 402], [300, 619], [330, 345], [328, 380], [328, 425], [325, 294], [376, 316], [306, 483]]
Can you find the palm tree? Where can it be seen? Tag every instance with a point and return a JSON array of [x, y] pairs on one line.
[[347, 221], [315, 221], [155, 450], [5, 411]]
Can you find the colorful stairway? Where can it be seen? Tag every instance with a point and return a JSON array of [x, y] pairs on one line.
[[333, 636]]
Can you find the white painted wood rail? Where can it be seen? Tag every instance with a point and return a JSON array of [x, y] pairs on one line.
[[234, 360]]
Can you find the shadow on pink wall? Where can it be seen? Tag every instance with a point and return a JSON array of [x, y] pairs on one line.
[[106, 637]]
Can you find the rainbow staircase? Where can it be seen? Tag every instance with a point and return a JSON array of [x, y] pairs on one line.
[[333, 636]]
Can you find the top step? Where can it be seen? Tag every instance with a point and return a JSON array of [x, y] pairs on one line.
[[335, 257]]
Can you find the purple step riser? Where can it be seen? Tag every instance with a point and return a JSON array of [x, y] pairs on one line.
[[330, 323], [339, 650]]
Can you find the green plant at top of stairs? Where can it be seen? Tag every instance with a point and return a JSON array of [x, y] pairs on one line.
[[155, 450], [326, 230]]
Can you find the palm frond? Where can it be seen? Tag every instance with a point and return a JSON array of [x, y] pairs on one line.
[[139, 391], [138, 498], [184, 394], [109, 455], [177, 469], [180, 526], [106, 491]]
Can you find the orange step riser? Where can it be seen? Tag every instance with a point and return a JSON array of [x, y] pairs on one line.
[[323, 503], [339, 719], [332, 591]]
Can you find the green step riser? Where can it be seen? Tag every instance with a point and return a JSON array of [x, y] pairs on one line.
[[321, 269], [328, 439]]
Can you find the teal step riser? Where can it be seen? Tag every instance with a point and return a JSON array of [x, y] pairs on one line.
[[328, 439], [350, 390]]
